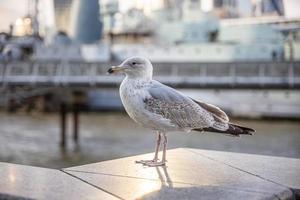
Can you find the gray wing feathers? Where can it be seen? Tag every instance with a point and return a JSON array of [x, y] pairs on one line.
[[217, 112], [165, 93], [181, 110]]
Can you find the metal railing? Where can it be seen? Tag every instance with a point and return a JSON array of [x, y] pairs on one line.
[[237, 75]]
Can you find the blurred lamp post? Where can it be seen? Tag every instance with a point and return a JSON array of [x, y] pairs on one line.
[[35, 21]]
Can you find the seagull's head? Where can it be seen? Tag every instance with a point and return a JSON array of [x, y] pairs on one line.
[[135, 67]]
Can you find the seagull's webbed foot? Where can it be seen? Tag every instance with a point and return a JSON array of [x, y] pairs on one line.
[[144, 162], [155, 164], [151, 163], [155, 161]]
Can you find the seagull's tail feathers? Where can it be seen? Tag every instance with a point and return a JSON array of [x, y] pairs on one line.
[[233, 129]]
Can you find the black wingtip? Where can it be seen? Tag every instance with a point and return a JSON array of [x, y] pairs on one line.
[[247, 130], [233, 130]]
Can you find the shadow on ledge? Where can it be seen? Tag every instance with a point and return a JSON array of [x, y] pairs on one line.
[[181, 191]]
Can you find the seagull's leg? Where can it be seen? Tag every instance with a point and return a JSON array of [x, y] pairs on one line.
[[163, 161], [155, 159], [164, 156], [157, 146]]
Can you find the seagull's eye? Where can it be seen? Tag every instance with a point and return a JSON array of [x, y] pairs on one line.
[[134, 63]]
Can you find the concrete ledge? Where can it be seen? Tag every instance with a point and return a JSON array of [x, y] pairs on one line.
[[26, 182], [280, 170], [190, 174]]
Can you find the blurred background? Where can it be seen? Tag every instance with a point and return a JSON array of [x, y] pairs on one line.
[[59, 108]]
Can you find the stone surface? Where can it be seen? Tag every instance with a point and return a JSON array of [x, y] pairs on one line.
[[25, 182], [281, 170], [188, 175], [139, 188]]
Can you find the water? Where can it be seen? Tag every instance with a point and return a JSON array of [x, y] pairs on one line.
[[33, 139]]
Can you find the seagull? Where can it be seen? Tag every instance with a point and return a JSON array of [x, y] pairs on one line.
[[163, 109]]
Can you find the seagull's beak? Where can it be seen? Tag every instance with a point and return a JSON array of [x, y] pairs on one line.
[[115, 69]]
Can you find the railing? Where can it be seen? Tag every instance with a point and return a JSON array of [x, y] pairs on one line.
[[237, 75]]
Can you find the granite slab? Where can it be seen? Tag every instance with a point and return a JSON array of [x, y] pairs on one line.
[[27, 182], [188, 175]]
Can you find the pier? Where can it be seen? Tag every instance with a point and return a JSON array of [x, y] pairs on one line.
[[245, 75], [189, 174]]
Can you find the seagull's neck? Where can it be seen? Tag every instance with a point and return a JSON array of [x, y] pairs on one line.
[[134, 83], [142, 78]]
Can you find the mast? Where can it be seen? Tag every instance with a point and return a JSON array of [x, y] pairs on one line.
[[35, 24]]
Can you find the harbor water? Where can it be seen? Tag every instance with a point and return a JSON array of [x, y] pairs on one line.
[[33, 139]]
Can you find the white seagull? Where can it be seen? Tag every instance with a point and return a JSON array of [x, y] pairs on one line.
[[163, 109]]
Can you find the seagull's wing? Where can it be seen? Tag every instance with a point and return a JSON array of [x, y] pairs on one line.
[[178, 108], [214, 110]]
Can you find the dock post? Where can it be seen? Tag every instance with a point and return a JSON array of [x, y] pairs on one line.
[[63, 124], [75, 122], [78, 99]]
